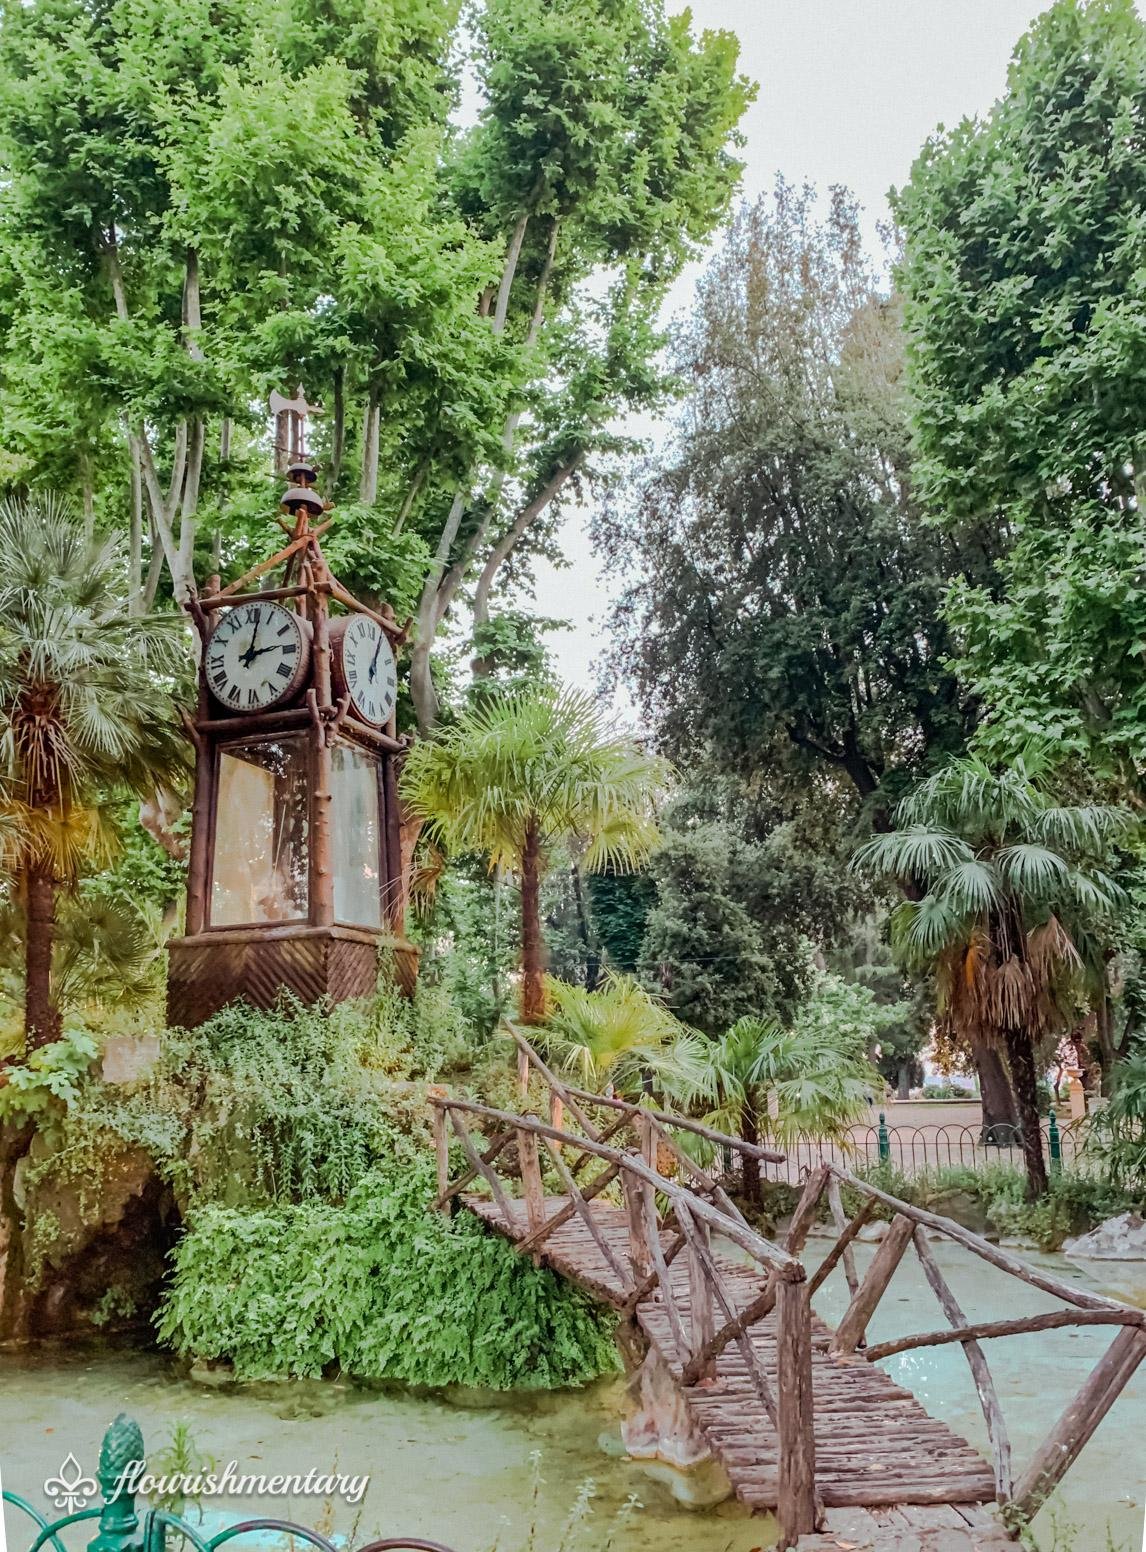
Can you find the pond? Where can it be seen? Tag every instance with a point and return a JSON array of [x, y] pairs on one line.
[[461, 1468]]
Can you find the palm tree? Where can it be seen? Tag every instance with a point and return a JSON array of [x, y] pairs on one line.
[[619, 1036], [1011, 895], [519, 774], [86, 706], [817, 1084]]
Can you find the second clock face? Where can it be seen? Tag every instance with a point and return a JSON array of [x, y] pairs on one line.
[[256, 656], [367, 669]]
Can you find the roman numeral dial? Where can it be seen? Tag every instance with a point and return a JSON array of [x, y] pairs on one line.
[[364, 667], [256, 657]]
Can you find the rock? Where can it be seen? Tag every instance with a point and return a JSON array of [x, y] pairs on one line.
[[662, 1427], [1018, 1242], [1118, 1239], [127, 1058], [965, 1209], [872, 1233], [83, 1246]]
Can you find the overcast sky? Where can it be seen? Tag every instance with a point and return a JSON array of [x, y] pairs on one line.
[[848, 92]]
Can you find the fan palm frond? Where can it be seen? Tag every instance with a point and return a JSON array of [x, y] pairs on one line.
[[919, 851]]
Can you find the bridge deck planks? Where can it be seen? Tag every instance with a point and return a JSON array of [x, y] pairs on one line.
[[877, 1449]]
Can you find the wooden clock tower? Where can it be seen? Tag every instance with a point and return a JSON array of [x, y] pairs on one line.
[[295, 868]]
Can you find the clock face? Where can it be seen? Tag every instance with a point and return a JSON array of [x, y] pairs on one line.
[[366, 668], [256, 656]]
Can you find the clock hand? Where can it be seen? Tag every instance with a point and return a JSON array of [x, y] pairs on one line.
[[374, 659], [250, 654]]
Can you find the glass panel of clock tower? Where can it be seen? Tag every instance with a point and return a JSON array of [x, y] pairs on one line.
[[260, 865], [356, 838]]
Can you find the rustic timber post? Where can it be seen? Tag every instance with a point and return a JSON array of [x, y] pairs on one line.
[[850, 1330], [531, 1179], [648, 1139], [796, 1481], [639, 1257], [318, 699], [1065, 1442], [700, 1302], [523, 1071]]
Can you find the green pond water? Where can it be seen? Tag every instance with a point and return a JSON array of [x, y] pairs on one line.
[[460, 1469]]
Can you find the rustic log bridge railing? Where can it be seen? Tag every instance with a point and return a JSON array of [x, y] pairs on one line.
[[663, 1205], [913, 1226], [691, 1214]]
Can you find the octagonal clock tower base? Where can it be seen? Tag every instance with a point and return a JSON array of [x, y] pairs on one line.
[[211, 969]]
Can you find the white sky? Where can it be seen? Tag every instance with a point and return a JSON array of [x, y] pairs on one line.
[[848, 92]]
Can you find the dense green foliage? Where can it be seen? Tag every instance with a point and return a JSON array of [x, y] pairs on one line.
[[517, 775], [202, 206], [379, 1288], [87, 707], [297, 1144], [1074, 1201], [1024, 283], [783, 619]]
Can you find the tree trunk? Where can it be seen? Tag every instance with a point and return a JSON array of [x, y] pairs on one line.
[[1020, 1053], [903, 1090], [135, 604], [592, 956], [750, 1133], [1104, 1039], [532, 984], [368, 484], [42, 1021], [501, 551], [338, 436], [994, 1087]]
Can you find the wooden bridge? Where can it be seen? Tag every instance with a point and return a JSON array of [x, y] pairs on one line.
[[804, 1422]]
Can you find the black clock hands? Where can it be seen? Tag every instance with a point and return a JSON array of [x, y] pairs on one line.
[[374, 659], [250, 654]]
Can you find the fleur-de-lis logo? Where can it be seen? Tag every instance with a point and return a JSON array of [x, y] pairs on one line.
[[71, 1490]]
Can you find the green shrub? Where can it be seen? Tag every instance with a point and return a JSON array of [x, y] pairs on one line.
[[1074, 1203], [379, 1288]]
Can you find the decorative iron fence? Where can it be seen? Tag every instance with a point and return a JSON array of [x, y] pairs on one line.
[[917, 1150], [122, 1526]]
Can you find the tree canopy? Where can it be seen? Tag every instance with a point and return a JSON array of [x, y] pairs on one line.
[[783, 616], [1025, 313]]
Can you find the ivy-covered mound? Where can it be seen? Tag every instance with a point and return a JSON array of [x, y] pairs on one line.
[[382, 1289], [295, 1146]]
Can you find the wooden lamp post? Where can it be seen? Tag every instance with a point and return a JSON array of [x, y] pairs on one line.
[[295, 870]]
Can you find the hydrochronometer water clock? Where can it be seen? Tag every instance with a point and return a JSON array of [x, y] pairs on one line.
[[364, 667], [256, 657]]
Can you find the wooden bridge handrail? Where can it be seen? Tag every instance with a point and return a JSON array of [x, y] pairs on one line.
[[1022, 1325], [981, 1247], [789, 1268], [665, 1117], [909, 1227]]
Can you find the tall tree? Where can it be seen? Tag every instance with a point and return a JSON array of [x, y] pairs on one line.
[[1026, 314], [784, 609], [518, 774], [85, 707], [604, 146], [1013, 905]]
